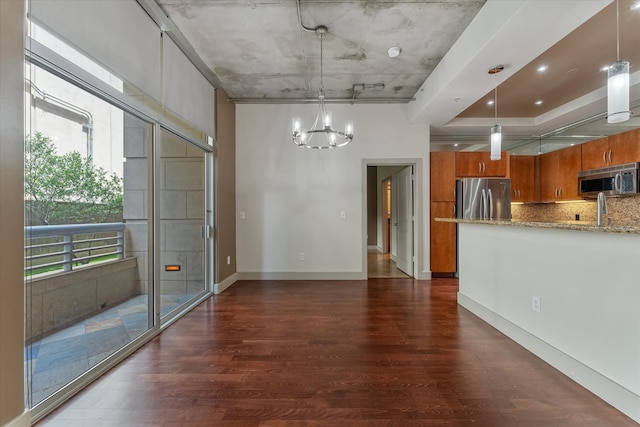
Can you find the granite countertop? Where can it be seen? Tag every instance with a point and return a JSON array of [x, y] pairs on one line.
[[560, 225]]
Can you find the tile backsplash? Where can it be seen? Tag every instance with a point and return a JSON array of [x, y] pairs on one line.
[[621, 210]]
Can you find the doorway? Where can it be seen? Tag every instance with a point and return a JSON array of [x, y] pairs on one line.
[[390, 229]]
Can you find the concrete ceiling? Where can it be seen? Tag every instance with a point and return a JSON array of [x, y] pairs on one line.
[[259, 53], [258, 50]]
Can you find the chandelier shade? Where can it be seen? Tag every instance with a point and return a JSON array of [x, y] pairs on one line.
[[618, 93], [496, 142], [321, 135], [496, 130]]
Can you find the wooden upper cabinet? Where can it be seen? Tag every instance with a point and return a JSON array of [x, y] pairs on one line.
[[594, 154], [524, 179], [549, 171], [479, 164], [443, 177], [625, 147], [569, 160], [611, 151], [559, 174]]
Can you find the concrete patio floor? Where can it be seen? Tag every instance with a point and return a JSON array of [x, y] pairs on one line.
[[56, 360]]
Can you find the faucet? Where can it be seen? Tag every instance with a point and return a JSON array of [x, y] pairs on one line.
[[602, 208]]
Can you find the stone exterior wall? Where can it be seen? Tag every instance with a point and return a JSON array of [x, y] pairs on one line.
[[56, 301], [182, 198], [137, 143], [181, 186]]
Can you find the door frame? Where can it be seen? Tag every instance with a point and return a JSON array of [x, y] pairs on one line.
[[385, 195], [419, 210]]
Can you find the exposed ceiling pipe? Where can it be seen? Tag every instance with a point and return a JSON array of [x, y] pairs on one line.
[[310, 30], [71, 107], [315, 100]]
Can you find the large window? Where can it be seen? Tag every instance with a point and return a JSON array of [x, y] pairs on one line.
[[86, 232], [118, 214]]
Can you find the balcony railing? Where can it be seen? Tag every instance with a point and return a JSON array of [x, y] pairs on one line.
[[54, 248]]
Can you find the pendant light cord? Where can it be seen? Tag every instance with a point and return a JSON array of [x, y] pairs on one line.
[[617, 31], [495, 103]]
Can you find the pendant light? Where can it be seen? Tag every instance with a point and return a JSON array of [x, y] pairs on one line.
[[496, 130], [618, 83]]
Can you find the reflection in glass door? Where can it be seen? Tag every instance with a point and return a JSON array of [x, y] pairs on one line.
[[184, 213]]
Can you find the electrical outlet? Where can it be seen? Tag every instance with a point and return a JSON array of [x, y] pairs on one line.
[[343, 214], [228, 260], [301, 256], [535, 304]]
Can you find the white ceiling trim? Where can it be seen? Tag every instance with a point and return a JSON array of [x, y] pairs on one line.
[[461, 77]]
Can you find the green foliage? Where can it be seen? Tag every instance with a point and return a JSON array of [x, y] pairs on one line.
[[68, 188]]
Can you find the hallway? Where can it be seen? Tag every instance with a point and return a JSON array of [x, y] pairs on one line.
[[382, 352], [381, 266]]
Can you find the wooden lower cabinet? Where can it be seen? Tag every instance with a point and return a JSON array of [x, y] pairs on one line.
[[443, 238]]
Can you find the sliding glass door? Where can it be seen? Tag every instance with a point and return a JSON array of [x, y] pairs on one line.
[[118, 237], [184, 221], [88, 261]]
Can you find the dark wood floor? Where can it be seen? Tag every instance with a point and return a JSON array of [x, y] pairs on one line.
[[365, 353]]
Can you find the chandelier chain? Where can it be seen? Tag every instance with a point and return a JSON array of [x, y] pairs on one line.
[[321, 65]]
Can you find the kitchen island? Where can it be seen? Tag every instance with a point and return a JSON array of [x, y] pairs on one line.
[[568, 292]]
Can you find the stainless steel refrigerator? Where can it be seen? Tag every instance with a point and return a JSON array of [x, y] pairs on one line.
[[483, 198]]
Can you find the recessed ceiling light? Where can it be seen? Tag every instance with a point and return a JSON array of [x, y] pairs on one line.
[[490, 102], [394, 51], [538, 102], [542, 68], [455, 145]]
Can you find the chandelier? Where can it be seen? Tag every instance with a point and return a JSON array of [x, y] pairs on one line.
[[327, 137]]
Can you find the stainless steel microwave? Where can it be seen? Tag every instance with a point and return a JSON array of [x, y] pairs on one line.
[[612, 181]]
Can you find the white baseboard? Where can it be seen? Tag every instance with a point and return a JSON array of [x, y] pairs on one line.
[[373, 248], [218, 288], [22, 420], [424, 275], [292, 275], [613, 393]]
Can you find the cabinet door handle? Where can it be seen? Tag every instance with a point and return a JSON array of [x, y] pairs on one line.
[[560, 193], [519, 194], [609, 156], [604, 157]]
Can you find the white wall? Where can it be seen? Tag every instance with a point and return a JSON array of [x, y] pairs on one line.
[[292, 197], [588, 326]]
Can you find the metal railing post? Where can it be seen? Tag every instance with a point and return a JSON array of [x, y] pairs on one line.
[[120, 242], [68, 252]]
